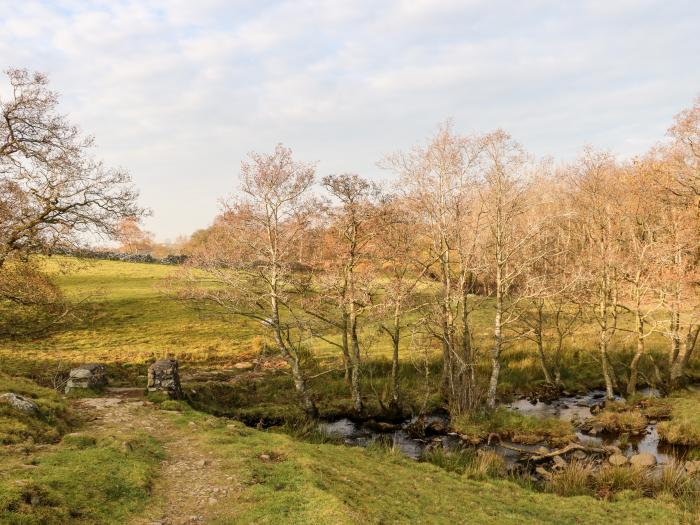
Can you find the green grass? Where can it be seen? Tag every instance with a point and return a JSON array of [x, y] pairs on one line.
[[84, 480], [513, 426], [53, 418], [684, 426], [331, 484], [128, 319]]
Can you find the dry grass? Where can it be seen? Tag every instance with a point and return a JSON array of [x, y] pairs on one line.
[[684, 426]]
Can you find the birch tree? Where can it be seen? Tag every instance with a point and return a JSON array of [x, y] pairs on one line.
[[246, 267]]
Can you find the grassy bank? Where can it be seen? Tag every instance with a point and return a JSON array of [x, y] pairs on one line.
[[86, 479], [288, 481], [684, 426], [52, 419]]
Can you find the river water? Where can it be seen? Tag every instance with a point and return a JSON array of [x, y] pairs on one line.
[[567, 408]]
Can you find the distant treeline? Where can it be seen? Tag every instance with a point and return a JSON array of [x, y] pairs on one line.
[[109, 255]]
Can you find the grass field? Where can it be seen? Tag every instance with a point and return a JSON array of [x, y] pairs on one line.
[[128, 319]]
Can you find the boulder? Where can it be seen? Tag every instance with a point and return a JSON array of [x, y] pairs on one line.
[[90, 375], [595, 430], [21, 403], [164, 376], [643, 460], [617, 460], [436, 427]]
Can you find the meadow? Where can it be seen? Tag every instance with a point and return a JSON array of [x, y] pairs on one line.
[[127, 319]]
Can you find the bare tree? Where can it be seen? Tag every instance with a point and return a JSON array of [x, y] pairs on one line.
[[398, 241], [513, 227], [439, 185], [353, 225], [595, 195], [53, 194], [246, 266]]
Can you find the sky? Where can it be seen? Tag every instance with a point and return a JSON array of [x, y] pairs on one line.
[[179, 91]]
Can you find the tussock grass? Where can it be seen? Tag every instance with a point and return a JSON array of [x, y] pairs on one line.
[[684, 426], [610, 482], [514, 426], [632, 421], [472, 463]]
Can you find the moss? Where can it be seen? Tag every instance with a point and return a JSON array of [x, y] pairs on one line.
[[85, 480], [175, 404]]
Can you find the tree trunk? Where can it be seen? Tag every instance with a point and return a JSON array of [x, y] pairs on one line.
[[634, 365], [346, 350], [395, 338], [609, 388], [301, 388], [681, 362], [540, 347], [355, 386], [497, 343]]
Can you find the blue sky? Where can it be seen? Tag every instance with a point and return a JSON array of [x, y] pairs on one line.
[[179, 91]]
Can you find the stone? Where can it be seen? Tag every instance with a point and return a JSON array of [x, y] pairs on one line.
[[436, 427], [579, 455], [21, 403], [559, 462], [617, 460], [542, 450], [244, 365], [643, 460], [164, 376], [692, 467], [89, 375]]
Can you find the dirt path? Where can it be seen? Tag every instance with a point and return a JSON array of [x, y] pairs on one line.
[[192, 488]]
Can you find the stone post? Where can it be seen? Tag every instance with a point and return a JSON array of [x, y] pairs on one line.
[[91, 375], [164, 376]]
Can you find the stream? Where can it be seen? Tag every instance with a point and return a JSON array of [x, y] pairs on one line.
[[567, 408]]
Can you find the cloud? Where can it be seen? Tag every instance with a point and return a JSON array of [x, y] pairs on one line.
[[179, 91]]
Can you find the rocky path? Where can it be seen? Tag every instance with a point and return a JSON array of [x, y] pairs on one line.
[[192, 487]]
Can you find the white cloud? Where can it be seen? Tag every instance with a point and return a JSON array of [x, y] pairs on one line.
[[178, 91]]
